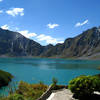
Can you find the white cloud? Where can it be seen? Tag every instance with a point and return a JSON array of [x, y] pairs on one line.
[[1, 0], [81, 24], [5, 27], [27, 34], [1, 11], [39, 38], [48, 39], [52, 25], [15, 11]]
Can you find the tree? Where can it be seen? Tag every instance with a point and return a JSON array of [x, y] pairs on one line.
[[84, 85]]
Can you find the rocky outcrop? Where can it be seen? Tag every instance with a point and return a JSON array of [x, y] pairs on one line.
[[83, 45], [15, 44]]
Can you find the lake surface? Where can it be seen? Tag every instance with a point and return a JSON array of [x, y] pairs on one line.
[[33, 70]]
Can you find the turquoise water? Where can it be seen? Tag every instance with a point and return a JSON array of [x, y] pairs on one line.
[[33, 70]]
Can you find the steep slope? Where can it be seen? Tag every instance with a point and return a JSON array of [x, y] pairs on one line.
[[85, 44], [15, 44]]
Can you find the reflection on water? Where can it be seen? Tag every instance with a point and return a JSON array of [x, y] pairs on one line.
[[33, 70]]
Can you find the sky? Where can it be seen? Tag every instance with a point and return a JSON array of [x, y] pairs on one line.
[[49, 21]]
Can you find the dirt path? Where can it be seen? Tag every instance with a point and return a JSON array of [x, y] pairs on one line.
[[63, 94]]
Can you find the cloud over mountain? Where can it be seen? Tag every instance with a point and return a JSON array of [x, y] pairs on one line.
[[81, 24]]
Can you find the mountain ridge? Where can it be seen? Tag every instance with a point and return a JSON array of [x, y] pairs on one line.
[[84, 45]]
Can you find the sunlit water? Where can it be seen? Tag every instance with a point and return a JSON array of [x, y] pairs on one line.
[[33, 70]]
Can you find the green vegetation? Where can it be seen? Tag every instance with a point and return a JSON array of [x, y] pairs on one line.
[[54, 84], [84, 85], [5, 78], [98, 68], [31, 91], [54, 81], [27, 91]]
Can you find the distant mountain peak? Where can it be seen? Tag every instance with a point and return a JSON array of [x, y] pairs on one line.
[[84, 45]]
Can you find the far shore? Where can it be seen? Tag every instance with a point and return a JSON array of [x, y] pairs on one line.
[[54, 57]]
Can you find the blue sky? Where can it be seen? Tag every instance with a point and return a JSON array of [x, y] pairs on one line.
[[49, 21]]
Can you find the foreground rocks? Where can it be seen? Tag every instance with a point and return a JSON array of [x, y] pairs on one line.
[[66, 94], [63, 94]]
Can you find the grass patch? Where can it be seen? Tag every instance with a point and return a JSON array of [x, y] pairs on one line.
[[27, 91]]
